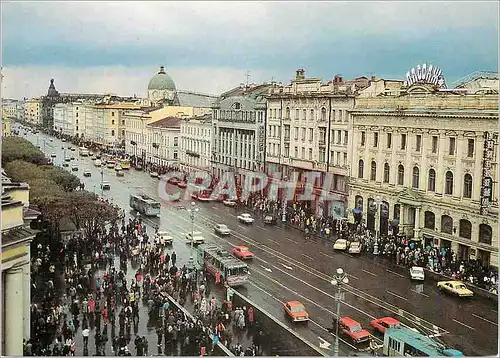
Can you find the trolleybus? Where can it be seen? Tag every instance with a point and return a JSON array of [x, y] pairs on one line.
[[216, 259], [145, 205]]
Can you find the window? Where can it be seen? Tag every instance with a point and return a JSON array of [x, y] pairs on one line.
[[431, 183], [375, 140], [296, 114], [345, 158], [77, 128], [446, 224], [401, 174], [123, 132], [389, 140], [303, 153], [323, 114], [176, 141], [429, 220], [287, 113], [470, 148], [287, 150], [419, 143], [434, 144], [373, 171], [403, 141], [112, 132], [448, 189], [416, 177], [361, 168], [310, 154], [339, 137], [237, 105], [363, 139], [112, 114], [76, 115], [311, 134], [296, 133], [346, 137], [304, 114], [123, 122], [386, 172], [303, 134], [321, 158], [451, 150], [485, 234], [311, 115], [296, 152], [175, 154], [465, 229], [467, 186]]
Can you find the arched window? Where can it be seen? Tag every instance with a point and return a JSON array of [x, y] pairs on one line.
[[416, 178], [448, 188], [373, 171], [446, 224], [401, 175], [386, 172], [485, 234], [361, 168], [287, 113], [359, 202], [429, 220], [465, 228], [468, 186], [431, 183], [312, 115], [323, 114]]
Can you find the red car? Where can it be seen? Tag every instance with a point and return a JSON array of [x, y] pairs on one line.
[[353, 330], [242, 252], [182, 184], [381, 324]]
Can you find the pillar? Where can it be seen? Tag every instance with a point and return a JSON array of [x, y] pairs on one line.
[[13, 305], [402, 219], [416, 230], [27, 298], [377, 217]]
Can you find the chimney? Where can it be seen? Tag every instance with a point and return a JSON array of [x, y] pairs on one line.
[[300, 74]]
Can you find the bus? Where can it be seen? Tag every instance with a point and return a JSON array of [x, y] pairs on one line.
[[200, 193], [145, 205], [84, 152], [406, 342], [216, 259]]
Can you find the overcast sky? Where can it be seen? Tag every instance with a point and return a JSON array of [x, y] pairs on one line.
[[208, 47]]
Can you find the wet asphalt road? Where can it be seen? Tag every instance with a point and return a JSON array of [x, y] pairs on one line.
[[287, 267]]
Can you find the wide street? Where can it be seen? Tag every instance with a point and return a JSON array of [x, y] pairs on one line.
[[287, 267]]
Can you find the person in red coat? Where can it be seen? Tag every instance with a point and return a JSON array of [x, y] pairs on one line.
[[217, 278]]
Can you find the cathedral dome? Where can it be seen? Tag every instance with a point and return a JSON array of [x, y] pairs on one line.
[[161, 81], [52, 92]]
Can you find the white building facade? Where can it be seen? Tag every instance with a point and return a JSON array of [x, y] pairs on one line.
[[196, 143], [308, 130], [425, 166], [162, 142], [238, 122]]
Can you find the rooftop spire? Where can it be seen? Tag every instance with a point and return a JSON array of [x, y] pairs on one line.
[[162, 70]]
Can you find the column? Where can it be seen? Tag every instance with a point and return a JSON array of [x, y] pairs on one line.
[[13, 305], [27, 298], [402, 218], [377, 218], [416, 230]]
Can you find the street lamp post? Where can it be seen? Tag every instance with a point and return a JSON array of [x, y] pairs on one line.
[[192, 212], [102, 181], [338, 280], [377, 217]]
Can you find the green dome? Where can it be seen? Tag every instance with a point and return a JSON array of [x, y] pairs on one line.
[[161, 81]]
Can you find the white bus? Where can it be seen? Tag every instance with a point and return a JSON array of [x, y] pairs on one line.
[[84, 152], [145, 205]]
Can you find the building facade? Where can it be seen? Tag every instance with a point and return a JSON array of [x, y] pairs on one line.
[[6, 124], [238, 122], [16, 271], [425, 165], [33, 111], [196, 143], [162, 141], [308, 130]]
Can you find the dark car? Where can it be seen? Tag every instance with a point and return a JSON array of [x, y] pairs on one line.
[[270, 220]]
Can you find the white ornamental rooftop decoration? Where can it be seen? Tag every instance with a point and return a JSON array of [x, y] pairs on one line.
[[425, 74]]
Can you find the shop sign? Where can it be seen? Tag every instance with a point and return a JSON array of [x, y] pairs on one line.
[[487, 182]]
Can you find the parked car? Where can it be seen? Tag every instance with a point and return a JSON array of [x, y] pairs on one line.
[[97, 162], [105, 185], [87, 173], [340, 244], [381, 324], [270, 220], [53, 155], [120, 173], [196, 237], [456, 288], [355, 247], [65, 165], [245, 218], [74, 168], [417, 273], [222, 229], [242, 252], [296, 311], [164, 238]]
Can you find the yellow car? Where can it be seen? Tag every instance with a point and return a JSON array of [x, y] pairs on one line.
[[456, 288]]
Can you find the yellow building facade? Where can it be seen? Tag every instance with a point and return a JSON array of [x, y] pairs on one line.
[[33, 111], [6, 124]]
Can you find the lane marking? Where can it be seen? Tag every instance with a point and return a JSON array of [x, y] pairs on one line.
[[369, 273], [241, 227], [295, 242], [216, 215], [307, 256], [395, 273], [463, 324], [324, 254], [395, 294], [421, 293], [276, 242], [262, 228], [485, 319]]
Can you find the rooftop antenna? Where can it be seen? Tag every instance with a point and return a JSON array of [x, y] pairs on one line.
[[247, 75]]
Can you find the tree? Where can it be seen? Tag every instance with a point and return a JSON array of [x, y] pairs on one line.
[[22, 171], [16, 148], [42, 190], [89, 214], [65, 179]]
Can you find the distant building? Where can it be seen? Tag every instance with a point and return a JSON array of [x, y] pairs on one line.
[[6, 124], [196, 143], [162, 141], [424, 163], [33, 111]]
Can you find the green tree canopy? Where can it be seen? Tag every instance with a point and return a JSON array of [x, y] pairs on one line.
[[65, 179], [22, 171], [17, 148]]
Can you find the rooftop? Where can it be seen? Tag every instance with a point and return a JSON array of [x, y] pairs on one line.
[[167, 122], [193, 99], [17, 235]]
